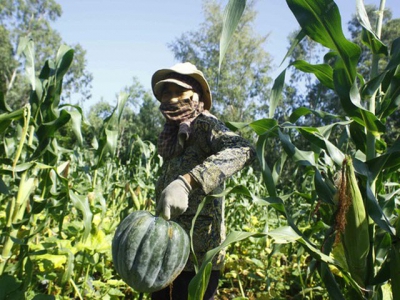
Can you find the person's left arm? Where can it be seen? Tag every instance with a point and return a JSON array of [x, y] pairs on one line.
[[229, 154]]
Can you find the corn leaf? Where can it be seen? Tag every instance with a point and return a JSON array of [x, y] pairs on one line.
[[305, 158], [389, 160], [232, 14], [26, 46], [47, 130], [81, 203], [76, 118], [324, 192], [265, 169], [64, 58], [376, 213], [299, 37], [304, 111], [368, 36], [198, 285], [276, 93], [394, 55], [321, 21], [323, 72], [395, 269], [263, 126], [3, 104]]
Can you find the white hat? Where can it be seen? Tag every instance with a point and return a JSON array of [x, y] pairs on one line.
[[185, 75]]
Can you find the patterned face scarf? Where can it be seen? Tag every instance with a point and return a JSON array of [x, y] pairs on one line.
[[176, 130]]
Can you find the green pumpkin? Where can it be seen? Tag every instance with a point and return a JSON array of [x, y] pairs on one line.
[[149, 252]]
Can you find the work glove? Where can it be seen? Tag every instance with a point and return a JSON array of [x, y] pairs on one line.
[[174, 199]]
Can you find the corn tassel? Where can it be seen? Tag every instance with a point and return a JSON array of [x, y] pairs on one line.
[[355, 235]]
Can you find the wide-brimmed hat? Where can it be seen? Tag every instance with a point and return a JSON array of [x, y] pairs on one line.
[[192, 79]]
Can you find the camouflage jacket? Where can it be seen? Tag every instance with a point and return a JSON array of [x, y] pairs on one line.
[[211, 155]]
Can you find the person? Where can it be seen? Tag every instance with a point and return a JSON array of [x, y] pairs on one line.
[[199, 153]]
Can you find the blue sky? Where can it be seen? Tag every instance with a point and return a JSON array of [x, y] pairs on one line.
[[126, 38]]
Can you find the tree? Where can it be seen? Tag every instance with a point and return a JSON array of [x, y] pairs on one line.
[[19, 18], [240, 91]]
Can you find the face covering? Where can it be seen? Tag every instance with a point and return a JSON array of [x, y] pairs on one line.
[[179, 116]]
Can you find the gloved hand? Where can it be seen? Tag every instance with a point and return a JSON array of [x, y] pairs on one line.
[[174, 199]]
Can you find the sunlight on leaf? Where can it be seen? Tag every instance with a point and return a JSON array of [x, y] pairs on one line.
[[233, 13]]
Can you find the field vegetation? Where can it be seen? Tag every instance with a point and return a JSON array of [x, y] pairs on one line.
[[316, 217]]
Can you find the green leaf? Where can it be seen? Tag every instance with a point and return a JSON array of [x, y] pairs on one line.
[[306, 158], [278, 167], [299, 37], [8, 117], [391, 100], [394, 61], [321, 21], [236, 125], [276, 93], [232, 14], [76, 118], [27, 47], [3, 187], [376, 213], [351, 102], [323, 190], [81, 203], [8, 285], [47, 130], [304, 111], [389, 160], [395, 269], [265, 170], [323, 72], [3, 104], [368, 36], [330, 283], [64, 58], [198, 285], [69, 266], [263, 126]]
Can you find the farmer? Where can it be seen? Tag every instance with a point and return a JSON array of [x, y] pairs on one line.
[[199, 154]]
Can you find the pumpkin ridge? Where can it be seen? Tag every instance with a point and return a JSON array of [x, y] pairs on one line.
[[122, 234], [178, 234], [142, 256], [156, 237], [131, 245]]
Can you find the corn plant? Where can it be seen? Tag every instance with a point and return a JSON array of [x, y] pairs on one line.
[[60, 206], [354, 179]]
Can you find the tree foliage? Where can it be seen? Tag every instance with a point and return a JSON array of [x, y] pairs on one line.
[[32, 19], [240, 91]]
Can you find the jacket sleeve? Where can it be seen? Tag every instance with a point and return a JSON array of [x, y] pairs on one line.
[[229, 153]]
